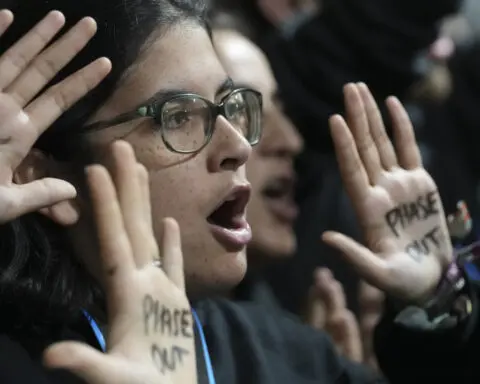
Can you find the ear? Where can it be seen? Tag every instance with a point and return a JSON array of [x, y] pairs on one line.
[[37, 166]]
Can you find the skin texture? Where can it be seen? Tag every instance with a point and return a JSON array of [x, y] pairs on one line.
[[186, 187], [273, 157]]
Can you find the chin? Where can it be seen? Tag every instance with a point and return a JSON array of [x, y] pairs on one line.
[[221, 276], [273, 247]]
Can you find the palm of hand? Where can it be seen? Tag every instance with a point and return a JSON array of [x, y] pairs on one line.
[[16, 137], [26, 111], [395, 199], [405, 226]]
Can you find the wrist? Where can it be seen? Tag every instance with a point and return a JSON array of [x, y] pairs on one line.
[[451, 303]]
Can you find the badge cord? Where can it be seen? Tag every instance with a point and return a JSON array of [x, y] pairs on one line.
[[206, 355]]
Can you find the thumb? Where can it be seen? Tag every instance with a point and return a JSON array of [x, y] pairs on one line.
[[92, 366], [368, 265], [39, 194]]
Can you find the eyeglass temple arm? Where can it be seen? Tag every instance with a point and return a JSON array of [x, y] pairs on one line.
[[112, 122]]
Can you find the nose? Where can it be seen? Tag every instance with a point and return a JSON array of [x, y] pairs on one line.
[[228, 149], [284, 140]]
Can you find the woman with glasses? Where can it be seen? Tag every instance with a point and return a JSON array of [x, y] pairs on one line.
[[70, 262]]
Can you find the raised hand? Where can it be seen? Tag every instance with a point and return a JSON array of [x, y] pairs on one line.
[[25, 69], [150, 332], [395, 199], [328, 311]]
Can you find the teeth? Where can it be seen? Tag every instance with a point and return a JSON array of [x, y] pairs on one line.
[[231, 198]]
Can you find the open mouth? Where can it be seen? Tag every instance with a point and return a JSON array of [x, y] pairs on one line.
[[279, 194], [228, 221]]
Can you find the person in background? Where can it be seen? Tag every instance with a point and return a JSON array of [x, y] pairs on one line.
[[312, 58], [272, 210]]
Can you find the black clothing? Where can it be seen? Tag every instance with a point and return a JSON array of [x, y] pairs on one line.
[[21, 350], [249, 345]]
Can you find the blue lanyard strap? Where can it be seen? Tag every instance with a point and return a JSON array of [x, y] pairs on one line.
[[96, 330], [206, 355]]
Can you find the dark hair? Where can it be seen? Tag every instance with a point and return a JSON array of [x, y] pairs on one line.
[[40, 280]]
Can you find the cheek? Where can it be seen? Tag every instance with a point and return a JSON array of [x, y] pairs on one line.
[[172, 177], [172, 196]]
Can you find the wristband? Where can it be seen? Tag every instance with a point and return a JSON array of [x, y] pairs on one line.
[[448, 299]]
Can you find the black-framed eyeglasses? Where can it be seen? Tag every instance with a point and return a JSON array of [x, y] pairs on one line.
[[186, 121]]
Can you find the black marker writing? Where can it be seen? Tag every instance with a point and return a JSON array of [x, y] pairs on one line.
[[405, 214], [168, 358], [159, 318], [423, 247]]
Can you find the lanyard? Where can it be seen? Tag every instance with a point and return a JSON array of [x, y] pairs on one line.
[[206, 355], [96, 330]]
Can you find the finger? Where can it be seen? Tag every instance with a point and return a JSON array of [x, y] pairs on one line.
[[369, 322], [145, 192], [84, 361], [44, 110], [370, 299], [17, 58], [348, 335], [358, 123], [332, 292], [407, 149], [388, 158], [46, 66], [115, 248], [31, 197], [316, 309], [172, 257], [368, 265], [130, 197], [354, 176], [6, 19]]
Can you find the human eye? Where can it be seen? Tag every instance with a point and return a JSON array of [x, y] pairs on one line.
[[177, 119], [236, 107]]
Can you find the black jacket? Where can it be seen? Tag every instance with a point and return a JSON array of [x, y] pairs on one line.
[[250, 345]]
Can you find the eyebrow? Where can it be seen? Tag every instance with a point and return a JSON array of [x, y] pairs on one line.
[[226, 86]]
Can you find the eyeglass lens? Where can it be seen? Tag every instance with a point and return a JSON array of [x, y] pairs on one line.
[[187, 120]]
